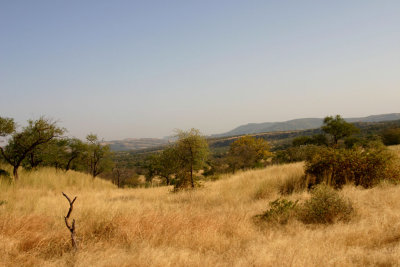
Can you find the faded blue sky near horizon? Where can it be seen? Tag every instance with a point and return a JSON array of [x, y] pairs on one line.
[[143, 68]]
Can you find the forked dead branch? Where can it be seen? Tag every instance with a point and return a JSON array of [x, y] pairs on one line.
[[71, 227]]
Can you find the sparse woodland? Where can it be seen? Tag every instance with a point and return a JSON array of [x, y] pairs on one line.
[[328, 200]]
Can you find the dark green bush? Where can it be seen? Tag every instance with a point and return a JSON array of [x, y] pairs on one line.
[[391, 136], [361, 166], [281, 210], [4, 173], [324, 207], [296, 154], [318, 139]]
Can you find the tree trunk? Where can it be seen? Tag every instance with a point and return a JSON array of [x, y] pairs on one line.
[[191, 176], [15, 173], [69, 163]]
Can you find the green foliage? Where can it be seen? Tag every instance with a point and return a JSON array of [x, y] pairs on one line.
[[325, 206], [338, 128], [191, 151], [391, 136], [368, 141], [217, 164], [280, 211], [247, 151], [98, 156], [361, 166], [164, 164], [296, 154], [7, 126], [22, 143], [317, 139]]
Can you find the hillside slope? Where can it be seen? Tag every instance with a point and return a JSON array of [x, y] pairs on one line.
[[300, 124]]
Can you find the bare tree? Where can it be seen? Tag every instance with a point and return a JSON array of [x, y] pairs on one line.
[[71, 227]]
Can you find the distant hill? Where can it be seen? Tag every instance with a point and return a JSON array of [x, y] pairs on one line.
[[269, 130], [299, 124], [135, 144]]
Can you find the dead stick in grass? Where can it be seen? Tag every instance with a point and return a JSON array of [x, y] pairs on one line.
[[71, 227]]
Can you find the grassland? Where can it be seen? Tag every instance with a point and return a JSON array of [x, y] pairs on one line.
[[210, 226]]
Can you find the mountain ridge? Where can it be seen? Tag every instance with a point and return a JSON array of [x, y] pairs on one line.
[[137, 144], [299, 124]]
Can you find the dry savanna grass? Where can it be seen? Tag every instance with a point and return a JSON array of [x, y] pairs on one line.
[[211, 226]]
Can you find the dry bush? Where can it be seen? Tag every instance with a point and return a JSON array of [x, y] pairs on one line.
[[325, 206], [366, 167]]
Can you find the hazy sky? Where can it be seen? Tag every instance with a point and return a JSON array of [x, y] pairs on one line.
[[142, 68]]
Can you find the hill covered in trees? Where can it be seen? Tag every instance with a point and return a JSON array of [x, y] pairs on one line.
[[300, 124], [275, 132]]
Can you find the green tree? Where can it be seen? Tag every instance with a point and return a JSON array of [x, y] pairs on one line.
[[391, 136], [98, 156], [61, 153], [163, 164], [338, 128], [75, 150], [37, 132], [247, 152], [191, 150]]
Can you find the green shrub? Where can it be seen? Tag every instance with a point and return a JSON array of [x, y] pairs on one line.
[[391, 136], [281, 210], [296, 154], [318, 139], [324, 207], [361, 166]]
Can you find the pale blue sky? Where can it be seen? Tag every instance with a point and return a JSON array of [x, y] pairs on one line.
[[142, 68]]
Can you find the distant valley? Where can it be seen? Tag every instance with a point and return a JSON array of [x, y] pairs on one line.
[[135, 143]]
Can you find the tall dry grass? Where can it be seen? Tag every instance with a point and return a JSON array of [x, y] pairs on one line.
[[210, 226]]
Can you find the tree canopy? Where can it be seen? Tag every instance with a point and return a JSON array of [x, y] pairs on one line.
[[338, 128], [22, 143], [247, 151], [192, 151]]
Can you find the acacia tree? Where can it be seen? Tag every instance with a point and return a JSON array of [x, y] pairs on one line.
[[75, 149], [37, 132], [163, 164], [191, 150], [61, 153], [98, 156], [247, 151], [338, 128]]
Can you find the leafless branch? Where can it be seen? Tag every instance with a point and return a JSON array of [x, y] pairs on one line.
[[71, 227]]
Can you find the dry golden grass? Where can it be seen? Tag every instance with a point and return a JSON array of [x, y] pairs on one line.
[[210, 226], [395, 149]]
